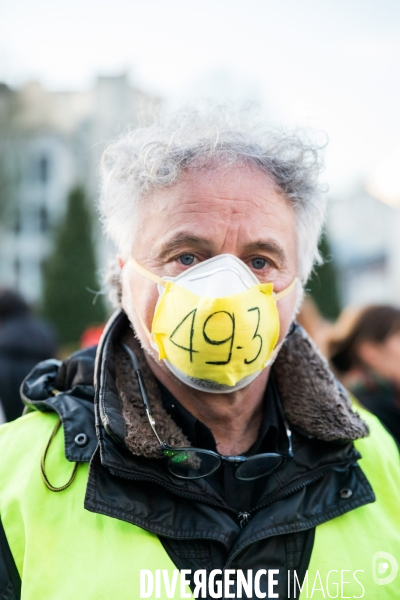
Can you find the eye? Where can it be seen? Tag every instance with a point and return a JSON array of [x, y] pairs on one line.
[[186, 259], [258, 263]]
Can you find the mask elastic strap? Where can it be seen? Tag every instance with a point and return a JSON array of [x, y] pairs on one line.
[[147, 332], [147, 274], [286, 291]]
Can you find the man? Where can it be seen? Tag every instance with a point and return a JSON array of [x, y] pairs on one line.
[[220, 444]]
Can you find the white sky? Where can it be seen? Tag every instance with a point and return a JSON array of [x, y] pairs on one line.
[[329, 64]]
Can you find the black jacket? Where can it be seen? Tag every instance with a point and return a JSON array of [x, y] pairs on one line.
[[196, 527]]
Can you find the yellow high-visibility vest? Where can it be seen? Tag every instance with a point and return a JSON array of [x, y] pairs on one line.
[[64, 552]]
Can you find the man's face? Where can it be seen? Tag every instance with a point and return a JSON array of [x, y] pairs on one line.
[[227, 211]]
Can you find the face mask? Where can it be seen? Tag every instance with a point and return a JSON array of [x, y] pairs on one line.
[[215, 325]]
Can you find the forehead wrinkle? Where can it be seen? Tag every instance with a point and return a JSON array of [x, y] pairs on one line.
[[221, 210], [238, 201], [202, 199]]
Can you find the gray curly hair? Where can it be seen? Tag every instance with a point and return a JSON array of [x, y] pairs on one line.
[[153, 157]]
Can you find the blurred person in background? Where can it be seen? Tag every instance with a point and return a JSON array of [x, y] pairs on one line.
[[364, 349], [25, 340]]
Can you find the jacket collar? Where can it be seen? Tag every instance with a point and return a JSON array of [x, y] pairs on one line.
[[312, 399]]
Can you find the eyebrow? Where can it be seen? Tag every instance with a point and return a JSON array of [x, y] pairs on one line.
[[179, 240], [270, 247]]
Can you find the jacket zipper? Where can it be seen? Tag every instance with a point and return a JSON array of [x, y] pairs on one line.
[[243, 517], [271, 501]]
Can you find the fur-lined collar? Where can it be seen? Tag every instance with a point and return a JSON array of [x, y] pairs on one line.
[[312, 399]]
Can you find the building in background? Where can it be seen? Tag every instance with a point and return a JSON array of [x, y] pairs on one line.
[[365, 238], [49, 142]]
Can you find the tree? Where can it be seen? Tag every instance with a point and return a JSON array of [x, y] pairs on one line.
[[70, 273], [323, 284]]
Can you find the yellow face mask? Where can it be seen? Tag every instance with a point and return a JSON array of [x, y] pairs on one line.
[[215, 326]]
